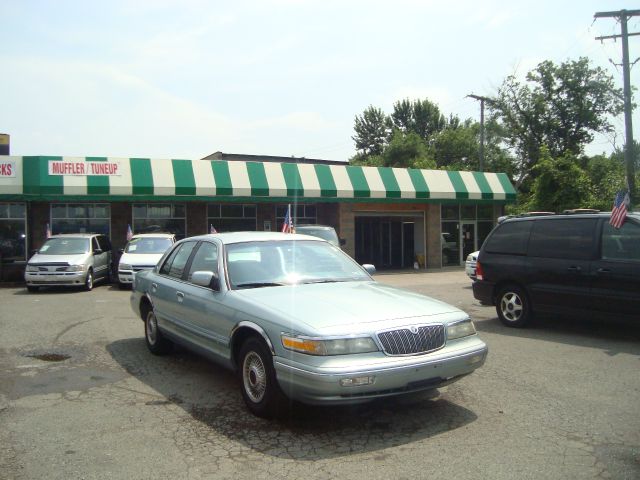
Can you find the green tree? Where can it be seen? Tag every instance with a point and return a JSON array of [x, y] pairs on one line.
[[607, 176], [561, 183], [407, 150], [371, 131], [420, 116], [559, 107]]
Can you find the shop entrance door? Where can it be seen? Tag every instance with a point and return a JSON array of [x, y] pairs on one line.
[[468, 239]]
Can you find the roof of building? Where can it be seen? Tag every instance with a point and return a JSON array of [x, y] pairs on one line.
[[241, 157]]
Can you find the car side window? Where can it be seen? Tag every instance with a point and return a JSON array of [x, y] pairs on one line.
[[104, 244], [177, 260], [205, 258], [509, 238], [622, 243], [567, 238]]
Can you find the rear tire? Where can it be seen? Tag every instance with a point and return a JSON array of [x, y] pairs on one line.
[[513, 307], [258, 383], [156, 341]]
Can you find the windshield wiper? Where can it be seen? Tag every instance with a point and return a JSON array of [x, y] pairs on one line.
[[323, 281], [259, 284]]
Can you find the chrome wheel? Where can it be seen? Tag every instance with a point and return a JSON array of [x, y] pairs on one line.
[[88, 283], [511, 306], [254, 377], [152, 329]]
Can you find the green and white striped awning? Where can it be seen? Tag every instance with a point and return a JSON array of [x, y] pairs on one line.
[[111, 179]]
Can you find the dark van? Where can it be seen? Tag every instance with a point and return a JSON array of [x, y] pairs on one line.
[[564, 264]]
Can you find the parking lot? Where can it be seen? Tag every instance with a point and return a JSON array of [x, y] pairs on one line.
[[81, 397]]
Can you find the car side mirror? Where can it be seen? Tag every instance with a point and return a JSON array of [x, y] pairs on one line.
[[121, 250], [369, 268], [343, 242], [97, 251], [205, 278]]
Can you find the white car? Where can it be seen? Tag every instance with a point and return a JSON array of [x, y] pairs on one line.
[[470, 265], [142, 252]]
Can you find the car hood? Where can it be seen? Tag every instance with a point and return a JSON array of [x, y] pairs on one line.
[[349, 306], [70, 259], [140, 258]]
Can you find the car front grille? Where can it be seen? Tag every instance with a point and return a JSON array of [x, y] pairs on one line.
[[413, 340]]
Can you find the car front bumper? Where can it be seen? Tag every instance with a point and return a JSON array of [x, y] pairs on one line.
[[40, 279], [389, 376], [125, 276]]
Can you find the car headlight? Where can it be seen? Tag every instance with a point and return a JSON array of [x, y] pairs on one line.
[[333, 346], [75, 268], [125, 266], [31, 268], [460, 329]]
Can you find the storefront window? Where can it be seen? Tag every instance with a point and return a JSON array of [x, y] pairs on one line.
[[303, 214], [464, 228], [12, 232], [159, 217], [232, 217], [80, 218], [450, 212]]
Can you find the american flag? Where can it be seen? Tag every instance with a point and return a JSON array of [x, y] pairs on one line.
[[129, 233], [619, 212], [287, 226], [212, 229]]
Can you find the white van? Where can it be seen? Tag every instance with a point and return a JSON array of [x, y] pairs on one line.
[[76, 260], [142, 252]]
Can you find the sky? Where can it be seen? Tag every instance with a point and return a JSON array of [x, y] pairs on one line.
[[186, 78]]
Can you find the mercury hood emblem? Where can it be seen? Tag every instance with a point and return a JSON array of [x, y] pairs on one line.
[[414, 330]]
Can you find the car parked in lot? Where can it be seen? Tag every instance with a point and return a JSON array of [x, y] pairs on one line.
[[298, 319], [470, 265], [76, 260], [142, 252], [573, 263], [321, 231]]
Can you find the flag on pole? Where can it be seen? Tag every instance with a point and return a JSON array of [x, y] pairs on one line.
[[287, 226], [212, 229], [129, 233], [619, 211], [48, 232]]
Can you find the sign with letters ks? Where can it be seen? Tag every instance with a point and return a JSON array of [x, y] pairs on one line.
[[7, 168]]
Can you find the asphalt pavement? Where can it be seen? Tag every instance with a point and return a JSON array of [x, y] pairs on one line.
[[80, 397]]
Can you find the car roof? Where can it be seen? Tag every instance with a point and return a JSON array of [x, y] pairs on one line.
[[241, 237], [315, 227], [568, 214], [153, 235], [75, 235]]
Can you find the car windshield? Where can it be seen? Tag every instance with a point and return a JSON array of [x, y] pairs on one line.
[[148, 245], [65, 246], [289, 262], [323, 233]]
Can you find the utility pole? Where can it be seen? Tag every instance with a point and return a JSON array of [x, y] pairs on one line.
[[623, 16], [482, 100]]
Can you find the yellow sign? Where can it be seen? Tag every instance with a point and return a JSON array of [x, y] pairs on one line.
[[4, 139]]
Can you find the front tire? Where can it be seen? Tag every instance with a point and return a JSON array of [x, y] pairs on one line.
[[88, 281], [32, 289], [260, 389], [513, 307], [155, 340]]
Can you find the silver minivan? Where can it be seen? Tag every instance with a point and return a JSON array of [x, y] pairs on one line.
[[75, 260]]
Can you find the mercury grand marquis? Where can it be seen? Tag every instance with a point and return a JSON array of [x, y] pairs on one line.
[[298, 319]]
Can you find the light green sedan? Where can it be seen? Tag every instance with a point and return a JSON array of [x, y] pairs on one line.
[[298, 319]]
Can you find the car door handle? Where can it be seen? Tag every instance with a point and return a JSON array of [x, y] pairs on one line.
[[180, 296], [603, 271], [575, 269], [154, 287]]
